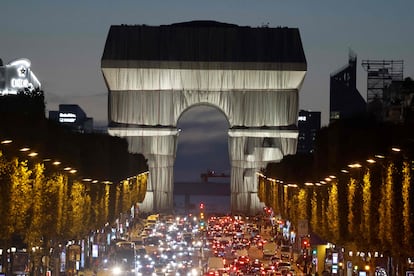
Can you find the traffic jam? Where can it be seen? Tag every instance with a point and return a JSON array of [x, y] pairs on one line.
[[236, 247], [197, 246]]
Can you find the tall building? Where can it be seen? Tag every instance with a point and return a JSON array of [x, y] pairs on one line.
[[309, 122], [345, 99], [72, 116]]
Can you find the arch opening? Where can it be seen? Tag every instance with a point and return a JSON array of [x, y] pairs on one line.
[[202, 165]]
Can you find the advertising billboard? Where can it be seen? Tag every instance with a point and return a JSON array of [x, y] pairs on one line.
[[16, 77]]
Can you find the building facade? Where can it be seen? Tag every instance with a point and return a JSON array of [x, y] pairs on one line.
[[252, 75], [17, 77], [345, 99], [309, 123], [72, 116]]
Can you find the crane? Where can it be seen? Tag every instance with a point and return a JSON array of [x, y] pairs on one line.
[[205, 176]]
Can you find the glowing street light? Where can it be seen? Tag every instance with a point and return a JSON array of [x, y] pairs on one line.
[[355, 165], [394, 149]]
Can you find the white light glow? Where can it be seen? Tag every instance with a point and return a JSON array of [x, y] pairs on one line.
[[67, 117], [23, 61], [19, 83]]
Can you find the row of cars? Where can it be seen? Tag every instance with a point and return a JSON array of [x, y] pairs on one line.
[[237, 248], [161, 245]]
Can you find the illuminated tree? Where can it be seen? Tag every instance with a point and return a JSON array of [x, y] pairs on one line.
[[35, 230], [274, 196], [142, 180], [126, 196], [351, 198], [386, 210], [134, 184], [105, 204], [314, 221], [332, 212], [117, 200], [366, 207], [61, 182], [5, 172], [285, 200], [52, 207], [324, 227], [406, 204], [262, 189], [80, 203], [293, 204], [302, 204], [20, 197]]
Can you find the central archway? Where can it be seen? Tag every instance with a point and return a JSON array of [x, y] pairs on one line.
[[202, 143], [202, 165], [253, 75]]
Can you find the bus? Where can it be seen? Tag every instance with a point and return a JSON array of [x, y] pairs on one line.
[[123, 258]]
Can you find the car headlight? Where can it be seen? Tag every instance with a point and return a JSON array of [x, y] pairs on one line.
[[116, 270]]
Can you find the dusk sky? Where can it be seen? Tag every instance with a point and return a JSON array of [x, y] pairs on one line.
[[65, 40]]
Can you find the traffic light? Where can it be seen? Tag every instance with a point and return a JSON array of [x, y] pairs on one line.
[[305, 242], [314, 251], [202, 225], [201, 205]]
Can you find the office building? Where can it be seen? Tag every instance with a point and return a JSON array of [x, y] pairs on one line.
[[345, 99], [309, 123], [72, 116]]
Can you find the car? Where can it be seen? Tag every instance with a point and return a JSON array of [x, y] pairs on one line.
[[256, 267], [241, 264], [275, 260]]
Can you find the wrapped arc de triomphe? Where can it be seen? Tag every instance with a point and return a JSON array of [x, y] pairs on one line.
[[253, 75]]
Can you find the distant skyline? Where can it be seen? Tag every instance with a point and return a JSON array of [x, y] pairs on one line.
[[65, 40]]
